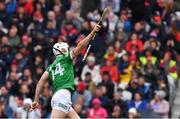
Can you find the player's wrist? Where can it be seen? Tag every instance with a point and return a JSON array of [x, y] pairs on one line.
[[36, 100], [93, 32]]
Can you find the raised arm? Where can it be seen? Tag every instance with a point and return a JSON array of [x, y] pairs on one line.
[[83, 44], [39, 87]]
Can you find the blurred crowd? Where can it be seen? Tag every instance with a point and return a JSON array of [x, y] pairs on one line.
[[132, 68]]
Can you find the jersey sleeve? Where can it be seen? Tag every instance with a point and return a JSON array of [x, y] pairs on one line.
[[48, 69], [70, 53]]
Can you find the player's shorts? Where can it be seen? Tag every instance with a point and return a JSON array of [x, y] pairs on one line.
[[61, 100]]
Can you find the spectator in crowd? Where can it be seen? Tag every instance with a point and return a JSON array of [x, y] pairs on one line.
[[159, 104], [118, 101], [82, 91], [134, 45], [78, 108], [125, 69], [138, 103], [4, 99], [101, 93], [107, 82], [97, 111], [3, 31], [132, 113], [90, 85], [116, 112], [23, 112], [143, 88], [112, 69], [136, 53], [110, 54], [153, 45], [2, 108], [93, 69], [50, 28], [4, 16], [169, 64], [14, 39]]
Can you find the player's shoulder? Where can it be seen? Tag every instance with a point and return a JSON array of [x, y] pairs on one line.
[[50, 67]]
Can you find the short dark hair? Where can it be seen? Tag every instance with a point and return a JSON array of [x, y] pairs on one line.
[[87, 74], [2, 1], [140, 94], [106, 73]]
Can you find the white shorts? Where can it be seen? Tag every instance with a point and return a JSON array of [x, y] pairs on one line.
[[61, 100]]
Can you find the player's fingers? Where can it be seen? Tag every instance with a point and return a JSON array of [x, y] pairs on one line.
[[98, 27], [31, 110], [33, 106]]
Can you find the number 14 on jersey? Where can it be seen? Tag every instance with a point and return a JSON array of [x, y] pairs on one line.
[[59, 70]]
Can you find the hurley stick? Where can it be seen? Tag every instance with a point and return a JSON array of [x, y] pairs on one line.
[[90, 45]]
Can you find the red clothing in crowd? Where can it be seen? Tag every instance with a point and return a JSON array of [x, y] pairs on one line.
[[110, 57], [113, 71], [29, 7], [98, 113], [177, 37], [137, 43]]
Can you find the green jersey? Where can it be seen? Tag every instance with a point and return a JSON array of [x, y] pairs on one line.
[[61, 73]]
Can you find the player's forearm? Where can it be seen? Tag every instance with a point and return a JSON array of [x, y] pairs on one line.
[[38, 91], [40, 85], [83, 44]]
